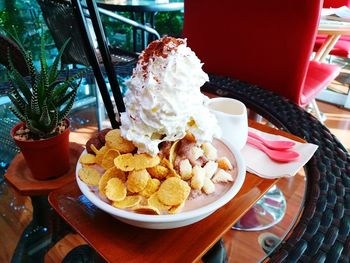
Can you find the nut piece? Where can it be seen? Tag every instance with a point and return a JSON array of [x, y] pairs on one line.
[[185, 169], [198, 177], [197, 152], [210, 168], [208, 187], [89, 175], [173, 191], [137, 180], [115, 189], [210, 151], [222, 176], [224, 163]]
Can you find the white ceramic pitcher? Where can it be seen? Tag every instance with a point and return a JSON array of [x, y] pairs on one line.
[[232, 119]]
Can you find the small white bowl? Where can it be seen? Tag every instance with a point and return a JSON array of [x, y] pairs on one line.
[[170, 221]]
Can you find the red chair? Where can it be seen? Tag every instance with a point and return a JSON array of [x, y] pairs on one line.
[[335, 3], [342, 47], [267, 43]]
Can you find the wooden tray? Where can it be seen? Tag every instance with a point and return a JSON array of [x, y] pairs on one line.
[[119, 242], [20, 177]]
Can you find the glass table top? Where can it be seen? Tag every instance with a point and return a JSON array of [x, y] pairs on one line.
[[16, 210]]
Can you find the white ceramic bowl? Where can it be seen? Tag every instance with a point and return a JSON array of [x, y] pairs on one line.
[[170, 221]]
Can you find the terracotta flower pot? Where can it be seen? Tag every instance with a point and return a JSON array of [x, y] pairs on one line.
[[47, 158]]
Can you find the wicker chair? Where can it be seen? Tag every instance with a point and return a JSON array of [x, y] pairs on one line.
[[9, 47], [54, 12], [82, 49], [322, 233]]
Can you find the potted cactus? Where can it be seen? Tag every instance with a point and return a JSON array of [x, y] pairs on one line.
[[42, 101]]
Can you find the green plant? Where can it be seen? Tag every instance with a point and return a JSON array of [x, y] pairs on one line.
[[43, 99]]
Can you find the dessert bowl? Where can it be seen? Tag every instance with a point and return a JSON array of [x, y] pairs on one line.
[[194, 211]]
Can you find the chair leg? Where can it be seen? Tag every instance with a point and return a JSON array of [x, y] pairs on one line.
[[318, 114], [99, 107]]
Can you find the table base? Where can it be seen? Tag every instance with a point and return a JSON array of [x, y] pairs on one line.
[[45, 229], [267, 212]]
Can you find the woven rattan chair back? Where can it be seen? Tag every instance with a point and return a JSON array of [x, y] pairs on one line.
[[62, 23]]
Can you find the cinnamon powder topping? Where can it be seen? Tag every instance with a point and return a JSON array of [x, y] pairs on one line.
[[159, 48]]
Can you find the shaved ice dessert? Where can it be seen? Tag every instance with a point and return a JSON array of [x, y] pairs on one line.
[[164, 158]]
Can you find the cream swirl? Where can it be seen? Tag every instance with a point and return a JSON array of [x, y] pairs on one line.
[[164, 101]]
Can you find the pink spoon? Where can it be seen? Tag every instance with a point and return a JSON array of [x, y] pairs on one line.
[[278, 156], [277, 145]]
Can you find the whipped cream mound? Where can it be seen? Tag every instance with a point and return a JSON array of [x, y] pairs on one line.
[[164, 101]]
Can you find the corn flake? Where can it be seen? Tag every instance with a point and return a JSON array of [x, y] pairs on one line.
[[115, 141], [88, 159], [158, 171], [137, 180], [129, 162], [100, 154], [172, 172], [144, 161], [172, 153], [176, 208], [113, 172], [173, 191], [108, 158], [145, 209], [93, 148], [151, 187], [128, 201], [155, 202], [89, 175], [115, 189]]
